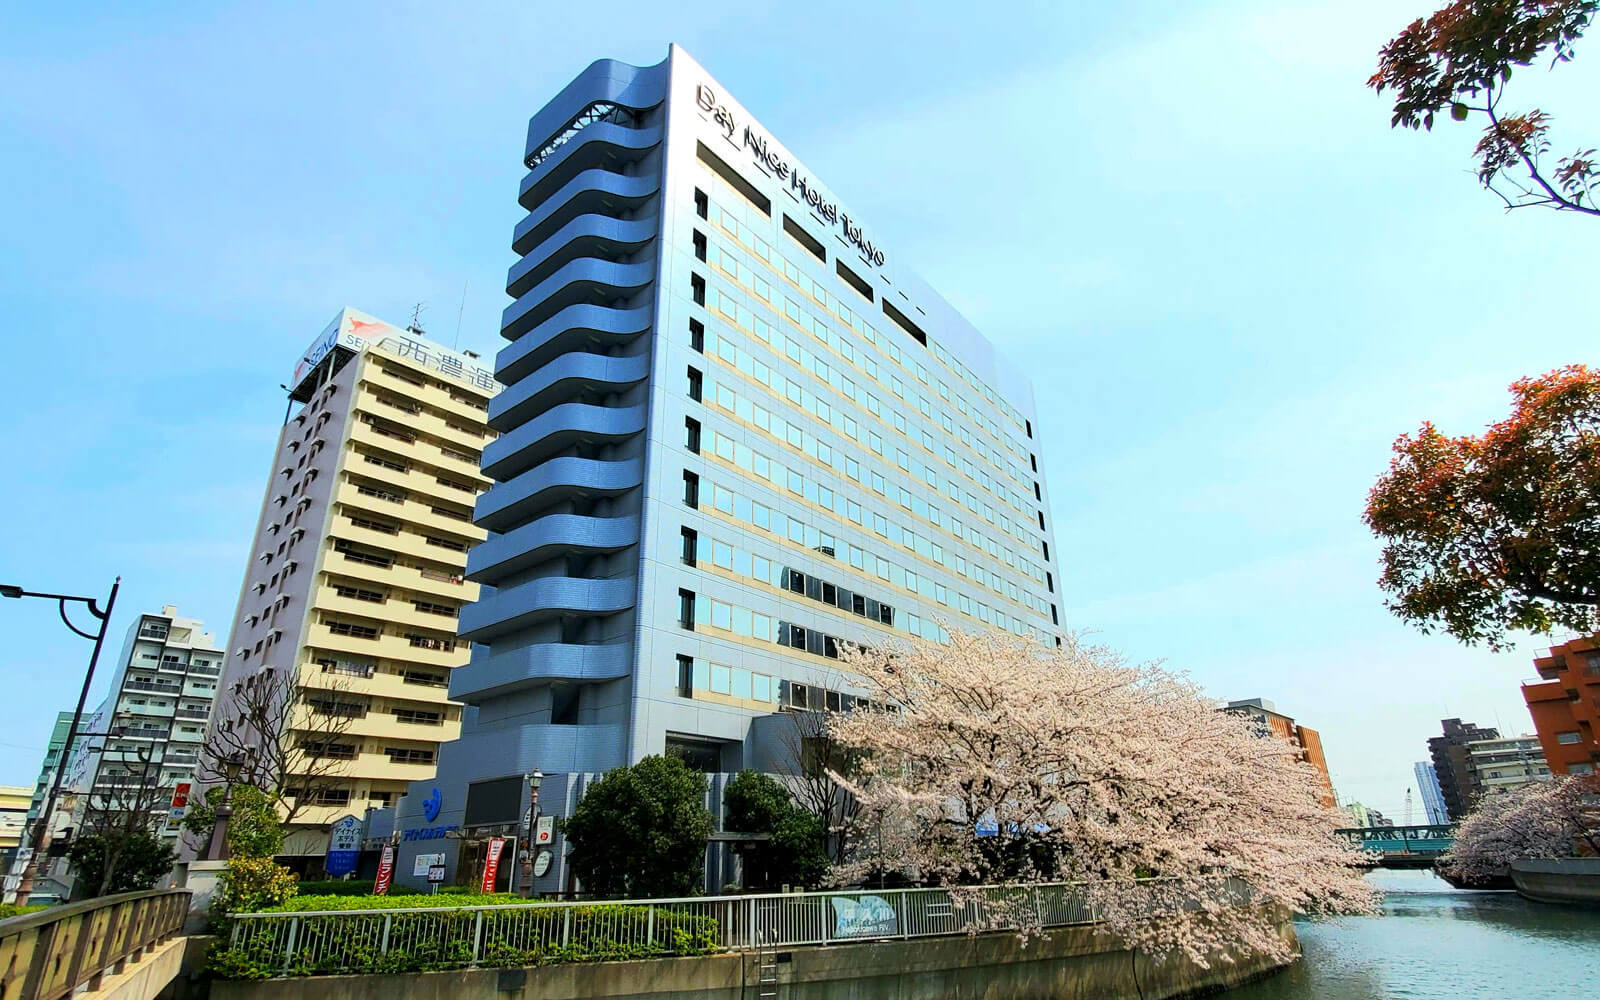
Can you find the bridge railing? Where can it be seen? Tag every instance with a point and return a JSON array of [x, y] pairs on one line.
[[51, 954], [333, 941]]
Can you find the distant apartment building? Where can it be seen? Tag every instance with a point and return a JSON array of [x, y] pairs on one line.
[[357, 570], [145, 738], [1506, 762], [1271, 721], [1565, 705], [47, 768], [1449, 753], [1365, 816], [14, 801], [1432, 798]]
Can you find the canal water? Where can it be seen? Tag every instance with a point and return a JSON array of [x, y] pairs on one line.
[[1433, 942]]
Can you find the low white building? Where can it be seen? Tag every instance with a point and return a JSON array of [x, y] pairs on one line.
[[1505, 762]]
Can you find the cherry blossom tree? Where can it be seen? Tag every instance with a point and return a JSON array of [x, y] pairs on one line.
[[994, 761], [1548, 819]]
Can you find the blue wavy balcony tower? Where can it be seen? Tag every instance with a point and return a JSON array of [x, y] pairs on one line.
[[735, 435]]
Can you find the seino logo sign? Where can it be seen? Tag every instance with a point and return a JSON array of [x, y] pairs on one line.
[[765, 152]]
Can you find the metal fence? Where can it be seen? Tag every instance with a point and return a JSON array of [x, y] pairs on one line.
[[49, 955], [362, 940]]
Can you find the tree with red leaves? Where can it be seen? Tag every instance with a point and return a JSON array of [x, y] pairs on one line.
[[1499, 532], [1461, 58]]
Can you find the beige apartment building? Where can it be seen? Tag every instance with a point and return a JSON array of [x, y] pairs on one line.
[[357, 571]]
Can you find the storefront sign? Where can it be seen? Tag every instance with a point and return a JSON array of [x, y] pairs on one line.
[[544, 831], [380, 886], [491, 862], [344, 846], [425, 833], [422, 862]]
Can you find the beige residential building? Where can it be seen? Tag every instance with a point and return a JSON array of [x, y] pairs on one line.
[[357, 571]]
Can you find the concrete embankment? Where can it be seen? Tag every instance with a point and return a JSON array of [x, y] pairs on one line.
[[1558, 880], [1072, 963]]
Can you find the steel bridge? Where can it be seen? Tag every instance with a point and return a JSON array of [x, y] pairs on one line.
[[1403, 846]]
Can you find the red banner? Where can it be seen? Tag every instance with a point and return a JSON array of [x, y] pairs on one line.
[[491, 863], [385, 871], [180, 795]]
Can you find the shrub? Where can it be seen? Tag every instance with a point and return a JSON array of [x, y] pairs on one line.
[[517, 935], [9, 910], [251, 884], [333, 887]]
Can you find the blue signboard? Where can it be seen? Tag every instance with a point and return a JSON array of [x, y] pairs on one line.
[[344, 846]]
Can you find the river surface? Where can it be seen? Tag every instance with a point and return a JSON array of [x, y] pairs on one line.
[[1433, 941]]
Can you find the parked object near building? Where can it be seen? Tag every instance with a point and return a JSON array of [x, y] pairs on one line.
[[139, 749], [356, 572], [1449, 753], [736, 433], [1432, 798], [1272, 722], [1565, 705]]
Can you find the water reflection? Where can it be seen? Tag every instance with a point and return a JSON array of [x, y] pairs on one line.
[[1433, 941]]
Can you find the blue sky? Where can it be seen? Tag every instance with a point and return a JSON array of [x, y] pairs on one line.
[[1234, 284]]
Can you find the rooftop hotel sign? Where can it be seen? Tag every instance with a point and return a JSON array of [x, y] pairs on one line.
[[765, 152]]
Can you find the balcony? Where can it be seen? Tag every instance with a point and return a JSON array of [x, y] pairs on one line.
[[191, 714], [168, 689]]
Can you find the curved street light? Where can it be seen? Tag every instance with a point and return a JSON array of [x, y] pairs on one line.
[[41, 825]]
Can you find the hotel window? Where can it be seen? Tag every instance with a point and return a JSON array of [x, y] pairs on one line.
[[691, 436], [686, 609], [691, 489], [685, 676], [690, 540], [702, 204], [697, 287], [696, 383], [697, 335], [699, 245], [1569, 738]]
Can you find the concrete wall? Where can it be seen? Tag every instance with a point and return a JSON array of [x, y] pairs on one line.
[[1071, 963], [1558, 880]]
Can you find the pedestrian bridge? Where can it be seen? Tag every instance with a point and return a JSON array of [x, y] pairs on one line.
[[123, 947], [1403, 846]]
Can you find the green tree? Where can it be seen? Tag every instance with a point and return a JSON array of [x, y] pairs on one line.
[[253, 829], [641, 831], [118, 861], [1461, 58], [1498, 532], [796, 854]]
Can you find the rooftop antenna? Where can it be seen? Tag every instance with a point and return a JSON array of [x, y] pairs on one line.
[[457, 344], [416, 319]]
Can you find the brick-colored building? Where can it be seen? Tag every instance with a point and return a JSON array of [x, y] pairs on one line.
[[1565, 705], [1270, 720]]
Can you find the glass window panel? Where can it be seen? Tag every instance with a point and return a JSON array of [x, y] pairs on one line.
[[721, 678]]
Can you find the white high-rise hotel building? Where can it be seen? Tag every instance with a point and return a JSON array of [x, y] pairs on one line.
[[736, 432]]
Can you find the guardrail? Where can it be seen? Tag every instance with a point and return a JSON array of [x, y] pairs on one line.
[[51, 954], [371, 940]]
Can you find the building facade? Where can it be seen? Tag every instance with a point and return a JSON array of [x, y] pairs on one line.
[[1432, 798], [1449, 753], [736, 433], [1363, 816], [1272, 722], [1565, 705], [1505, 762], [14, 801], [47, 768], [356, 571], [144, 740]]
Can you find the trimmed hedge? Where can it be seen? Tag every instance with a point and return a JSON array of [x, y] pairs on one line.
[[302, 903], [520, 935], [363, 887]]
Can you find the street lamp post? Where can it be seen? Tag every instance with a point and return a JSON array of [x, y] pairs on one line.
[[217, 846], [41, 828], [531, 852]]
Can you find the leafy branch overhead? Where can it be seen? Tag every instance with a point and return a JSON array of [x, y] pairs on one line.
[[1461, 59], [1499, 532]]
